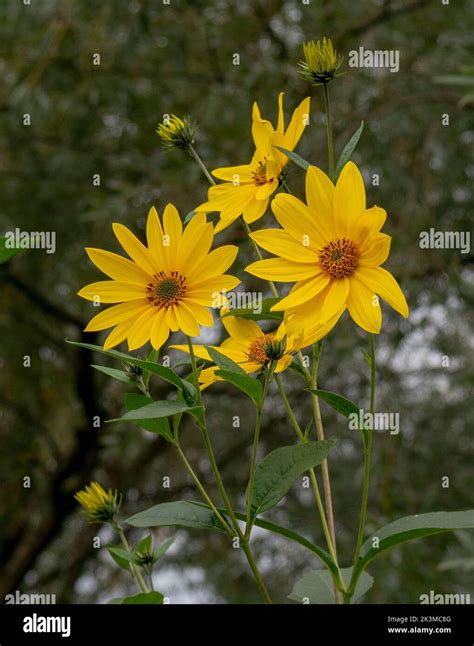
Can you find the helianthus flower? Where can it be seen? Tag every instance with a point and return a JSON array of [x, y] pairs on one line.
[[247, 188], [176, 133], [99, 505], [332, 249], [250, 347], [167, 286], [321, 62]]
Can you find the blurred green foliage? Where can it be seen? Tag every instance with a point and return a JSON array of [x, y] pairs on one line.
[[89, 120]]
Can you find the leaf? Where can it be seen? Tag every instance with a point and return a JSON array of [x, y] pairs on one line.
[[297, 159], [162, 549], [162, 371], [294, 365], [145, 545], [318, 587], [265, 314], [189, 216], [277, 472], [338, 402], [180, 514], [249, 385], [411, 528], [367, 357], [134, 401], [120, 375], [121, 556], [155, 410], [224, 362], [5, 252], [349, 149], [142, 598]]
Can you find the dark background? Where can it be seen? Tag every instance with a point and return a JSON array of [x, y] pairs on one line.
[[88, 119]]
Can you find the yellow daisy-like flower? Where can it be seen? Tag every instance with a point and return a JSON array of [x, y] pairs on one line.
[[247, 188], [250, 347], [167, 286], [333, 248], [99, 505]]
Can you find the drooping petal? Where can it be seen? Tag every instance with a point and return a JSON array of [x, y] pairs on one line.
[[159, 332], [186, 319], [381, 282], [116, 314], [140, 331], [118, 334], [242, 173], [364, 307], [302, 291], [335, 299], [254, 210]]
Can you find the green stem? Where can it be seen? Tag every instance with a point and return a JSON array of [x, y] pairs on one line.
[[327, 108], [201, 164], [303, 439], [222, 491], [253, 461], [135, 572], [367, 434]]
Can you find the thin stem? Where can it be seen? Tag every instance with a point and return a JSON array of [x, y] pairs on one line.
[[222, 491], [253, 461], [248, 231], [303, 439], [135, 572], [367, 434], [201, 164], [329, 132]]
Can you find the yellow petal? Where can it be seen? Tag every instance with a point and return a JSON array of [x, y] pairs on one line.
[[116, 267], [173, 229], [241, 330], [116, 314], [110, 291], [213, 264], [335, 299], [281, 116], [135, 249], [254, 210], [140, 331], [349, 200], [156, 240], [159, 332], [298, 221], [374, 218], [280, 243], [196, 241], [283, 363], [374, 249], [364, 307], [281, 270], [302, 292], [213, 286], [262, 130], [298, 122], [186, 319], [118, 334], [320, 199], [242, 173], [382, 282], [199, 350]]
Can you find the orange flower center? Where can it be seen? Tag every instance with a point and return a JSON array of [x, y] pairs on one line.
[[339, 258], [167, 290], [258, 349], [260, 174]]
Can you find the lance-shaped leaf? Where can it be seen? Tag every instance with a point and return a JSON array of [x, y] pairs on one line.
[[297, 159], [276, 473], [224, 362], [349, 149], [318, 586], [6, 251], [338, 402], [180, 514], [249, 385], [120, 375], [155, 410], [160, 425]]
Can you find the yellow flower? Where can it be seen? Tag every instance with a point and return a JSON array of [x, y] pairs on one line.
[[99, 505], [332, 248], [167, 286], [176, 133], [250, 347], [321, 61], [247, 188]]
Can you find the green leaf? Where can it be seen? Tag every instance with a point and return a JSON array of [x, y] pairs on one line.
[[265, 314], [277, 472], [297, 159], [189, 216], [134, 401], [349, 149], [6, 253], [121, 556], [367, 357], [162, 371], [338, 402], [120, 375], [249, 385], [162, 549], [224, 362], [180, 514], [294, 365], [411, 528], [318, 587], [145, 545], [156, 410], [143, 598]]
